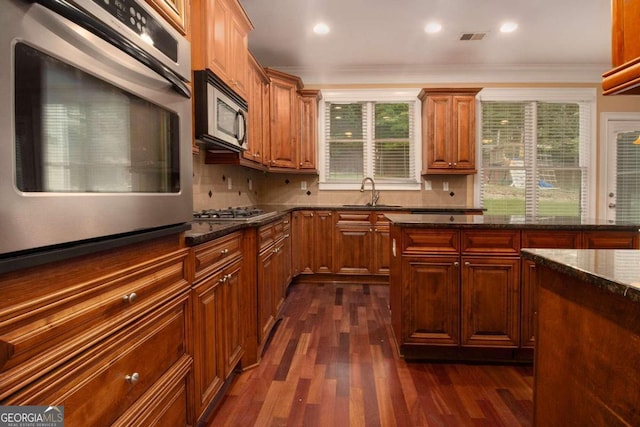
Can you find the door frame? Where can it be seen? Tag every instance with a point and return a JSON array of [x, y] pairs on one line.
[[606, 120]]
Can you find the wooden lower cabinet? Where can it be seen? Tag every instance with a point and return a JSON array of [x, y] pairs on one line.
[[433, 312], [217, 317], [274, 273], [352, 242], [490, 301], [106, 335], [312, 242], [381, 244], [464, 293]]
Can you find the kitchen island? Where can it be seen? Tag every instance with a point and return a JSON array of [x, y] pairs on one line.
[[460, 289], [588, 337]]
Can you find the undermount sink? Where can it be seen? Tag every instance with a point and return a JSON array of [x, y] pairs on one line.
[[368, 205]]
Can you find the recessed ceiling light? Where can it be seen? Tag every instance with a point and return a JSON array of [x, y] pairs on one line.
[[432, 27], [508, 27], [321, 28]]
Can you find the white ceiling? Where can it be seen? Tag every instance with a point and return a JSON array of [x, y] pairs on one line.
[[383, 41]]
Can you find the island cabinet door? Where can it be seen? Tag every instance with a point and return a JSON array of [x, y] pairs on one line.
[[490, 301], [432, 300]]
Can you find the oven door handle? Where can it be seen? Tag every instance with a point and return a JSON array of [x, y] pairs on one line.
[[95, 26]]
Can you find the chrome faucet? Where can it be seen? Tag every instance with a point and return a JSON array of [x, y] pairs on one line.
[[375, 195]]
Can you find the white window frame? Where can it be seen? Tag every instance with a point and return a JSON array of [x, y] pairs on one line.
[[547, 95], [375, 95]]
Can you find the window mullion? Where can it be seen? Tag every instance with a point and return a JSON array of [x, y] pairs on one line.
[[531, 156], [369, 140]]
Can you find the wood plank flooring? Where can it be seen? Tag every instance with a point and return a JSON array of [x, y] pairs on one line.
[[332, 362]]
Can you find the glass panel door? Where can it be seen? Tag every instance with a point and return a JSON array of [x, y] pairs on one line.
[[622, 194]]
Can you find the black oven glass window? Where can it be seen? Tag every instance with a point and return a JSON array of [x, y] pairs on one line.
[[77, 133]]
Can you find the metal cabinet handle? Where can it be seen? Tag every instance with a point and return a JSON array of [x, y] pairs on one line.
[[130, 298], [224, 251], [286, 236], [133, 378], [467, 263]]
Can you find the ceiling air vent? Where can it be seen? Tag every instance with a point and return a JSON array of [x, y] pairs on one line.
[[472, 36]]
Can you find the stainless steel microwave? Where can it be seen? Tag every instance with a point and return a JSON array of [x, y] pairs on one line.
[[220, 114], [95, 123]]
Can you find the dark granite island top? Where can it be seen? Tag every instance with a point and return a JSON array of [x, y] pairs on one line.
[[507, 222], [616, 271]]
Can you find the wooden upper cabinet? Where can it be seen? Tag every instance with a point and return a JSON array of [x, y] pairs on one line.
[[219, 41], [284, 119], [624, 78], [258, 127], [176, 12], [308, 110], [448, 131]]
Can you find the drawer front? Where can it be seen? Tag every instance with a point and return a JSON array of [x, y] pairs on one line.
[[166, 403], [486, 242], [102, 383], [272, 232], [212, 255], [37, 342], [441, 241], [610, 240], [353, 217], [551, 239]]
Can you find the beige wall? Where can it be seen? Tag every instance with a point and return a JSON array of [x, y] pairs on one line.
[[285, 189]]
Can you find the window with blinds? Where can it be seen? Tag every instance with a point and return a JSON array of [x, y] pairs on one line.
[[535, 157], [369, 138]]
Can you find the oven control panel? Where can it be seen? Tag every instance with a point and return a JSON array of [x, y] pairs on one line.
[[138, 20]]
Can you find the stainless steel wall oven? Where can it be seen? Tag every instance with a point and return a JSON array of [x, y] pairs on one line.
[[95, 122]]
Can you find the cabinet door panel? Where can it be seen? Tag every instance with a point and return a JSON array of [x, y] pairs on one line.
[[283, 119], [323, 242], [232, 322], [218, 38], [490, 301], [438, 126], [208, 369], [464, 128], [433, 293], [266, 278]]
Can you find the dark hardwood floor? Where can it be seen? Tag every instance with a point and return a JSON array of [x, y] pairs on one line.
[[332, 362]]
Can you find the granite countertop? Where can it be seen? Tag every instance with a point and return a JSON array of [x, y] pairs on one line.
[[506, 222], [614, 270], [203, 231]]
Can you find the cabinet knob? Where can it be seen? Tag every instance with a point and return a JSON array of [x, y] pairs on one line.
[[133, 378], [467, 263], [286, 236], [130, 298], [300, 163], [224, 251], [450, 164], [455, 264], [455, 164]]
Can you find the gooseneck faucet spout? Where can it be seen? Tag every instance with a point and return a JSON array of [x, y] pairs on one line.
[[375, 195]]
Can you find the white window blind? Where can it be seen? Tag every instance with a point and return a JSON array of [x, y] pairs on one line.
[[535, 157], [375, 138], [628, 176]]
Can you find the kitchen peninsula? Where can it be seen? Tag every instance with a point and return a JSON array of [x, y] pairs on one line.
[[459, 289], [588, 340]]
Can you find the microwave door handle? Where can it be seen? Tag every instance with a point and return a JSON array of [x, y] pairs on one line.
[[241, 123], [93, 25]]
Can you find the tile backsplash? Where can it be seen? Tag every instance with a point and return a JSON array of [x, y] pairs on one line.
[[221, 186]]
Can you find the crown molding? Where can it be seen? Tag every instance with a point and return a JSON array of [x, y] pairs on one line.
[[449, 74]]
